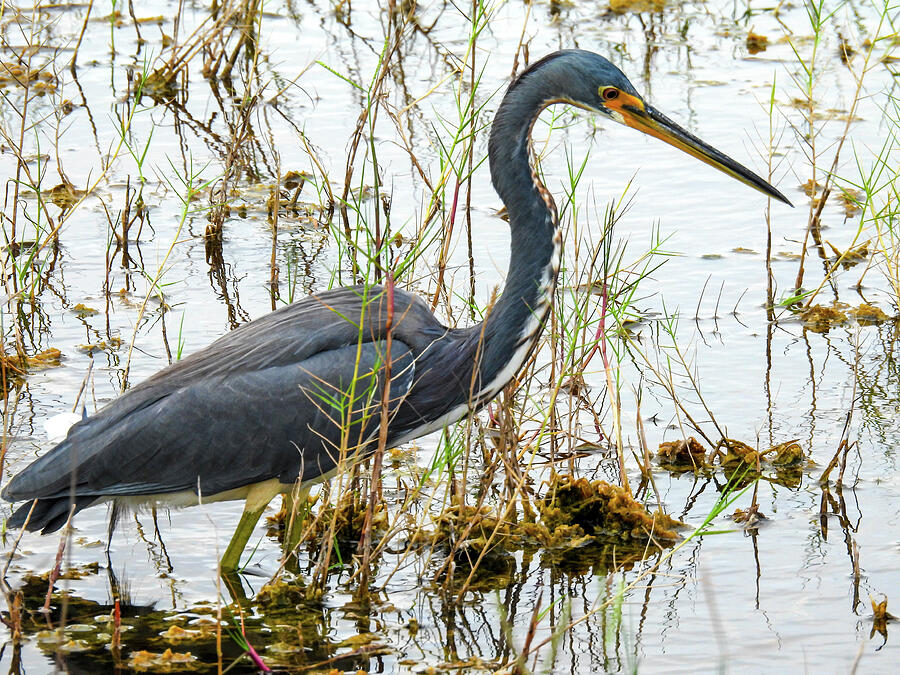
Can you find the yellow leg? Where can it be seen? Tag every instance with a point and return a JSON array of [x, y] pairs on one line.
[[258, 497], [239, 539]]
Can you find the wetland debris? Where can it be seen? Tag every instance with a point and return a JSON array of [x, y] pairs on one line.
[[850, 257], [581, 524], [13, 73], [49, 358], [786, 454], [821, 319], [636, 6], [732, 453], [64, 195], [880, 617], [14, 248], [82, 311], [576, 511], [280, 593], [868, 315], [109, 346], [167, 662], [845, 50], [478, 537], [682, 453], [178, 634], [850, 200], [750, 518], [787, 459], [16, 366], [347, 518], [161, 86], [756, 43]]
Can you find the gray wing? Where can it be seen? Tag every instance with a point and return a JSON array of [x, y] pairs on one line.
[[286, 337], [223, 432]]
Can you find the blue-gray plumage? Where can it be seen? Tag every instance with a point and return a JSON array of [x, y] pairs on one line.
[[281, 398]]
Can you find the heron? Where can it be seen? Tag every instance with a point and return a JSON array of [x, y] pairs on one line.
[[284, 399]]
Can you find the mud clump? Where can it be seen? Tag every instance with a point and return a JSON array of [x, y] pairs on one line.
[[578, 511]]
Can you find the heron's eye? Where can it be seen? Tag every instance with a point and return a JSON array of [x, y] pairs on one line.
[[609, 93]]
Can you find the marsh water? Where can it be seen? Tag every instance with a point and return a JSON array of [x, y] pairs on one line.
[[793, 590]]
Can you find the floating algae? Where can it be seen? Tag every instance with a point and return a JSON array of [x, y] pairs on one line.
[[14, 74], [786, 454], [868, 315], [343, 522], [602, 512], [733, 456], [730, 452], [821, 319], [14, 367], [756, 43], [480, 540], [682, 454], [64, 195], [49, 358], [739, 459], [280, 594], [167, 662], [178, 634]]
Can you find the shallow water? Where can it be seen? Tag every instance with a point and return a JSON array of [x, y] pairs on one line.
[[789, 595]]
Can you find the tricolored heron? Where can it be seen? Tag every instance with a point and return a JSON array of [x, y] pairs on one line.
[[279, 399]]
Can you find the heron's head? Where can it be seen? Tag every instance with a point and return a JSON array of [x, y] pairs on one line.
[[593, 83]]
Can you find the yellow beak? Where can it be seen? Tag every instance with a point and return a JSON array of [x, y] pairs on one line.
[[634, 113]]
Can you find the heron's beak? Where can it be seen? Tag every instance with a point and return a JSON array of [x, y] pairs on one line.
[[636, 114]]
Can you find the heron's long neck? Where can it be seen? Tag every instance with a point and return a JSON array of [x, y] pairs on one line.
[[516, 320]]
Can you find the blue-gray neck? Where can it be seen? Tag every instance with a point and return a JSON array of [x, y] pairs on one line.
[[515, 322]]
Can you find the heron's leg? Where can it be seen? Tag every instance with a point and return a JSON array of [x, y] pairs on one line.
[[258, 497], [232, 557]]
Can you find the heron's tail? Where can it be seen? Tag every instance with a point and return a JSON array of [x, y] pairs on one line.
[[49, 514]]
